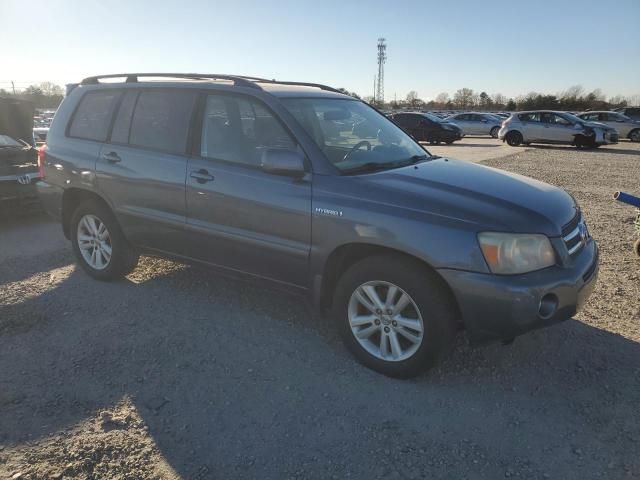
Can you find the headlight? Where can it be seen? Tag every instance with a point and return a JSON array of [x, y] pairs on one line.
[[510, 253]]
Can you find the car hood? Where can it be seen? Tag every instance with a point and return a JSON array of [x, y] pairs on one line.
[[450, 123], [16, 119], [481, 197], [598, 125]]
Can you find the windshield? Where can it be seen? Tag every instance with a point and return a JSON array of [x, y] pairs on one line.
[[353, 136], [571, 117], [432, 117], [7, 141]]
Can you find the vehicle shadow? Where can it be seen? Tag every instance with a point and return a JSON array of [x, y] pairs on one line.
[[481, 145], [237, 382]]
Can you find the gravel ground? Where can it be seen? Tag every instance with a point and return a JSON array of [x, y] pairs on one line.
[[178, 373]]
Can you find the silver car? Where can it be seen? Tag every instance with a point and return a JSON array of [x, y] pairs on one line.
[[473, 123], [626, 127], [544, 126]]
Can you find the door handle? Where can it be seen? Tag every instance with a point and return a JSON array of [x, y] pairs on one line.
[[111, 157], [202, 176]]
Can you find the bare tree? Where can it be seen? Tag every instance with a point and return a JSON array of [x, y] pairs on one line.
[[463, 98], [413, 100]]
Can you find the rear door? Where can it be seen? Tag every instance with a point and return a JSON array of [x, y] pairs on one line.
[[142, 166], [240, 217], [532, 129]]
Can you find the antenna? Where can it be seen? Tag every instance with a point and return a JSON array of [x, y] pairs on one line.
[[382, 58]]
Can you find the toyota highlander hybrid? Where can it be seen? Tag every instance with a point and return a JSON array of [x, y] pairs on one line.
[[267, 181]]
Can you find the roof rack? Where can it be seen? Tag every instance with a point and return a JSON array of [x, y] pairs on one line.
[[238, 80], [133, 78]]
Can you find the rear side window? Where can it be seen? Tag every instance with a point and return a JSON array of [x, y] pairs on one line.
[[120, 133], [529, 117], [161, 120], [92, 117]]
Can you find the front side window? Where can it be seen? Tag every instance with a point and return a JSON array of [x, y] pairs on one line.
[[161, 120], [238, 129], [352, 135], [91, 119]]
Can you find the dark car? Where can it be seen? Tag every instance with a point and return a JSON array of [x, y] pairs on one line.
[[266, 181], [631, 112], [18, 156], [426, 127]]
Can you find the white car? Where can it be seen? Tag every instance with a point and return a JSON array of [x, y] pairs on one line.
[[545, 126], [626, 127], [474, 123]]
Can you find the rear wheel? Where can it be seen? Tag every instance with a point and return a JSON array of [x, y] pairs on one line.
[[634, 135], [514, 138], [395, 317], [99, 244], [494, 132], [433, 141]]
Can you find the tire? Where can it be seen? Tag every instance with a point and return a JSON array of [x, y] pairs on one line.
[[634, 135], [434, 142], [89, 216], [494, 132], [426, 293], [449, 142], [636, 247], [514, 138]]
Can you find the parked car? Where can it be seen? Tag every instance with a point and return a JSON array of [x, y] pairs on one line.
[[542, 126], [632, 112], [626, 127], [427, 127], [40, 135], [18, 155], [473, 123], [400, 247]]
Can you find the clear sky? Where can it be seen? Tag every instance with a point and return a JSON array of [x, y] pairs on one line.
[[506, 46]]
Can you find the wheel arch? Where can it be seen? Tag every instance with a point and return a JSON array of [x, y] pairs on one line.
[[71, 198], [346, 255]]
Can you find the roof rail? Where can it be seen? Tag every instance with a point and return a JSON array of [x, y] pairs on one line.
[[299, 84], [238, 80], [133, 78]]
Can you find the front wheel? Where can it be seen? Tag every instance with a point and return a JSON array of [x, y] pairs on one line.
[[494, 132], [634, 136], [514, 138], [395, 317], [99, 244]]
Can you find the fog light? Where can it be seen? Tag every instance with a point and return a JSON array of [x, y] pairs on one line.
[[548, 306]]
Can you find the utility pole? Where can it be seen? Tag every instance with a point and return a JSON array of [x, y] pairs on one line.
[[13, 87]]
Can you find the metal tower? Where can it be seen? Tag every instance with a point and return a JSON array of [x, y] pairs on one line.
[[382, 57]]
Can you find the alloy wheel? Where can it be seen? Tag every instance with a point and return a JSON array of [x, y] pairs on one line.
[[385, 321], [94, 242]]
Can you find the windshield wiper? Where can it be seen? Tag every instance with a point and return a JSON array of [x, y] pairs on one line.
[[368, 167]]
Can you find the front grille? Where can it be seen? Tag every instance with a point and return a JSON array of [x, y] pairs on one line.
[[575, 235]]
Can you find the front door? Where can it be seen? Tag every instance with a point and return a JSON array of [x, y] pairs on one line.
[[238, 216]]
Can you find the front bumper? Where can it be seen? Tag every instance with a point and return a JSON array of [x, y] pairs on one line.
[[497, 307]]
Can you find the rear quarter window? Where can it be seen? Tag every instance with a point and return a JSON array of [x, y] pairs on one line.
[[93, 115]]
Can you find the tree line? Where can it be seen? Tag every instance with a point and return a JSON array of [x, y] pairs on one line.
[[43, 95], [574, 98]]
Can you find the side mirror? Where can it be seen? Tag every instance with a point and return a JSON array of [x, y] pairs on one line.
[[279, 161]]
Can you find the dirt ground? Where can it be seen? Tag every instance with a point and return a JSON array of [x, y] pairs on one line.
[[178, 373]]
